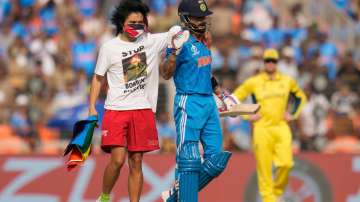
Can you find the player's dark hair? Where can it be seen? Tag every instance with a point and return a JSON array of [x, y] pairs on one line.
[[124, 9]]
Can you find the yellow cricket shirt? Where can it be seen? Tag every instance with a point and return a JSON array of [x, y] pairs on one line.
[[273, 96]]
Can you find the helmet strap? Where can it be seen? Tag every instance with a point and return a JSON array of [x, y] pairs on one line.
[[194, 29]]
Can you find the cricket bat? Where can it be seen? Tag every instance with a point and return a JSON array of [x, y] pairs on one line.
[[241, 109]]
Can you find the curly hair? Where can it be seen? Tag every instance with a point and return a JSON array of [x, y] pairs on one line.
[[124, 9]]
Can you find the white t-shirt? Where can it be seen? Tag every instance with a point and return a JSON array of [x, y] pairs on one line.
[[132, 70]]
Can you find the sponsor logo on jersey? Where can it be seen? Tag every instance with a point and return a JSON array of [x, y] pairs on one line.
[[203, 61]]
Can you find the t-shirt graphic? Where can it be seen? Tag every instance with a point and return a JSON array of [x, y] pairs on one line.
[[134, 67], [132, 71]]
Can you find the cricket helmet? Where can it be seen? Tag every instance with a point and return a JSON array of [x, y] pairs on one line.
[[193, 8]]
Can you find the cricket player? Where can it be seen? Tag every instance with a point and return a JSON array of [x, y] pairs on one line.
[[195, 112], [131, 63], [272, 139]]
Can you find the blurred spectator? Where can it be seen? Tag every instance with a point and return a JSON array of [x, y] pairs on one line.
[[27, 3], [6, 38], [274, 37], [19, 54], [237, 134], [6, 94], [164, 20], [343, 100], [287, 63], [64, 107], [160, 6], [220, 20], [342, 135], [348, 73], [70, 96], [251, 33], [166, 131], [62, 73], [298, 32], [355, 118], [328, 55], [94, 26], [252, 66], [296, 49], [48, 17], [19, 28], [224, 49], [313, 125], [5, 9], [241, 52], [84, 54], [43, 48], [20, 121], [36, 84], [257, 14], [86, 7]]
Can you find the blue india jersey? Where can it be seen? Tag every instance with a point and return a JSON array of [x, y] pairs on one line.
[[193, 69]]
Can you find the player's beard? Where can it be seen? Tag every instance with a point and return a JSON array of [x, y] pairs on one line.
[[199, 30]]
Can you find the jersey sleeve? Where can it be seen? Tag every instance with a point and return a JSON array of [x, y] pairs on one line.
[[161, 41], [244, 90], [103, 62], [300, 98], [168, 52]]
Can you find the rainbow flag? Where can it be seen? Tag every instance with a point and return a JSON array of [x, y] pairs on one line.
[[80, 144]]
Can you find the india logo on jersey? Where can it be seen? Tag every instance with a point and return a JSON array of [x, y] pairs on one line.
[[194, 50]]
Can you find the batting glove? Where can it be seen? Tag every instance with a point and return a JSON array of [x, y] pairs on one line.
[[177, 38], [229, 100]]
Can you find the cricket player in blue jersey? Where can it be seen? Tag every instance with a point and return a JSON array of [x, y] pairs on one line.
[[195, 111]]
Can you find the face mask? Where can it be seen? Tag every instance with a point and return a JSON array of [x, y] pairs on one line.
[[134, 30]]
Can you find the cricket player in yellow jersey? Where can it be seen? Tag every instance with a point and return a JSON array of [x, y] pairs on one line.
[[272, 141]]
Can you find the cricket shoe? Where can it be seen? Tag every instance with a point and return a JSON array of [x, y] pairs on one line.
[[102, 199]]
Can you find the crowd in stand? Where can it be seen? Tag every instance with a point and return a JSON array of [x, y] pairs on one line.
[[48, 50]]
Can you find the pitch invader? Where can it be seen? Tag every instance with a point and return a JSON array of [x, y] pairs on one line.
[[131, 63]]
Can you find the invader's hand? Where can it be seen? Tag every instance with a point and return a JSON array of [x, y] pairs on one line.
[[92, 111]]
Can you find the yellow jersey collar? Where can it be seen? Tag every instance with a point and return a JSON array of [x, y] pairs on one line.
[[265, 76]]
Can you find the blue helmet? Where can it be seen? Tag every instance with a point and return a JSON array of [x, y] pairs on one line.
[[193, 8]]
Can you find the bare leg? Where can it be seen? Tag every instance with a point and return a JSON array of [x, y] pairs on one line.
[[112, 170], [135, 175]]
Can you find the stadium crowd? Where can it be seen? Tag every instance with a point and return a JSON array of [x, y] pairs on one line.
[[48, 50]]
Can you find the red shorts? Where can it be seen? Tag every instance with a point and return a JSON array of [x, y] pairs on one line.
[[134, 129]]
